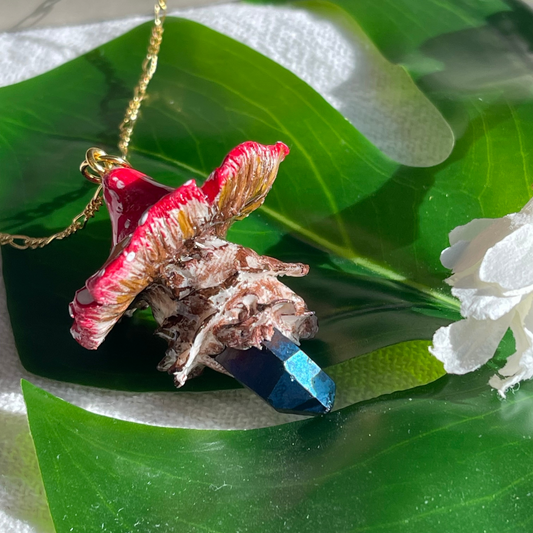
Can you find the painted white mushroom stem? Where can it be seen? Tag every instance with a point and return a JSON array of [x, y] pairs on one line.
[[219, 295]]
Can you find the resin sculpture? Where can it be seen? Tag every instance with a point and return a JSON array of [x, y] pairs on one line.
[[207, 295]]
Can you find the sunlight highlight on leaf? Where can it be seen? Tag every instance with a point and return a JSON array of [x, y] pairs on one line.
[[441, 457]]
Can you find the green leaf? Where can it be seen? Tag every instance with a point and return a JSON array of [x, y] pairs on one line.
[[378, 97], [403, 29], [210, 94], [471, 59], [447, 457]]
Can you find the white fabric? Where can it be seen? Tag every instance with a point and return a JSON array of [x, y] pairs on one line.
[[344, 66], [315, 51]]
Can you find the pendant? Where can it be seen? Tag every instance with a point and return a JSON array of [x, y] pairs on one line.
[[217, 304]]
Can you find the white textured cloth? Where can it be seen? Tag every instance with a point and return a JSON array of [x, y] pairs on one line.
[[318, 53]]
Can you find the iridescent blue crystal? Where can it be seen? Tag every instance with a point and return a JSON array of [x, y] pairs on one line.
[[283, 375]]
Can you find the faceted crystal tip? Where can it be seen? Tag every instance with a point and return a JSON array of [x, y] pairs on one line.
[[283, 375]]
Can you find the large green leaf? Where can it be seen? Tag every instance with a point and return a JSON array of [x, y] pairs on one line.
[[210, 94], [447, 457], [403, 30], [472, 60], [377, 96]]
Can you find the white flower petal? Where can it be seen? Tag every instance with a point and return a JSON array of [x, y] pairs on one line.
[[478, 246], [450, 256], [492, 263], [469, 279], [481, 300], [466, 345], [509, 263], [483, 304], [519, 366], [460, 238], [525, 216], [471, 230], [515, 371]]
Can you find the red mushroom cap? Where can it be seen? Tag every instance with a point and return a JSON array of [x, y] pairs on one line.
[[128, 194], [151, 222]]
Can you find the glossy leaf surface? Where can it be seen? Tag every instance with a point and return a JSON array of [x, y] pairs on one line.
[[450, 456], [447, 457], [198, 110], [341, 62], [472, 60]]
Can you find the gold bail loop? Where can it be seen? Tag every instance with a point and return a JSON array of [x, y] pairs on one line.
[[97, 163]]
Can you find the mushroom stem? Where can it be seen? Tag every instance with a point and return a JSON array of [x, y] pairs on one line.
[[219, 295]]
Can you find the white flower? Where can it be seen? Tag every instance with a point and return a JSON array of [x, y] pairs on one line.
[[492, 263]]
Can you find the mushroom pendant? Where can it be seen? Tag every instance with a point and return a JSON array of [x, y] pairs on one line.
[[218, 304]]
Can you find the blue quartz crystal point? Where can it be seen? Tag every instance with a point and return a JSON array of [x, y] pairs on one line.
[[283, 375]]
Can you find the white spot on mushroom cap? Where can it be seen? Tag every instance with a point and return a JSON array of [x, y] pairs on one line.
[[119, 183], [84, 297], [143, 218], [130, 256]]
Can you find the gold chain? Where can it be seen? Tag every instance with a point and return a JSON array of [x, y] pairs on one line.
[[23, 242], [97, 162], [149, 67]]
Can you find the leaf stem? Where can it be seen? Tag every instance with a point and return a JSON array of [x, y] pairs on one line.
[[363, 262]]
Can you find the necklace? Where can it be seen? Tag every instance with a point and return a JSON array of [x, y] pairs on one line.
[[217, 304], [97, 161]]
